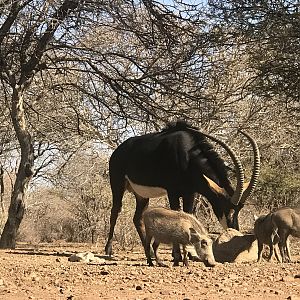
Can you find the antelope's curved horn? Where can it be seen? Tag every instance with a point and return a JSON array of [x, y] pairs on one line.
[[236, 197], [255, 170]]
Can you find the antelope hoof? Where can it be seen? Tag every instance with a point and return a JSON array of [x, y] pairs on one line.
[[150, 263], [108, 250], [176, 263]]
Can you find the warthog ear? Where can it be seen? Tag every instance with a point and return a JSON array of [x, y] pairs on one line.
[[214, 186], [195, 238]]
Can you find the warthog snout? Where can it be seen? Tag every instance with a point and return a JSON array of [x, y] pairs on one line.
[[210, 263], [204, 251]]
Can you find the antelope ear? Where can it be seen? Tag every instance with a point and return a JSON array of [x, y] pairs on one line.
[[214, 187]]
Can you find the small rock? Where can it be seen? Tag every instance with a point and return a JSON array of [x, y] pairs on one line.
[[164, 292], [82, 257], [233, 277], [278, 292], [138, 288], [1, 282], [104, 272], [225, 290], [287, 279], [35, 277]]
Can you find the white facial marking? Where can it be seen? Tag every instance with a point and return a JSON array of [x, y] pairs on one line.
[[223, 222], [146, 191]]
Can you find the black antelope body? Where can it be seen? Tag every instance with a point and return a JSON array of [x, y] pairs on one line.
[[178, 162]]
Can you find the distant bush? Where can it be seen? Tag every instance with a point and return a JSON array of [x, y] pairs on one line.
[[277, 187]]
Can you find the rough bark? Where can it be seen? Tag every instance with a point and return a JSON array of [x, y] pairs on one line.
[[2, 210], [24, 174]]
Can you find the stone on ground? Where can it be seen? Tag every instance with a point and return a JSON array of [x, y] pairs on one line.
[[233, 246]]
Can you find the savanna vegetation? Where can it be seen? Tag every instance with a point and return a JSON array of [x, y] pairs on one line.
[[78, 77]]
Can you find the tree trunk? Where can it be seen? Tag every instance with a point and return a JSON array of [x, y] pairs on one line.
[[24, 174], [2, 210]]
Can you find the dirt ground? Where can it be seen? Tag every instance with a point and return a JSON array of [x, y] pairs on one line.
[[44, 272]]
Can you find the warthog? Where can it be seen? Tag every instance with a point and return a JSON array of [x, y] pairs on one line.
[[266, 234], [286, 221], [178, 228]]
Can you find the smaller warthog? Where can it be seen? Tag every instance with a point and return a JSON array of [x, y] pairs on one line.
[[266, 233], [178, 228], [286, 221]]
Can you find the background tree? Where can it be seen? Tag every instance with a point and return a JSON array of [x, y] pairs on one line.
[[78, 74]]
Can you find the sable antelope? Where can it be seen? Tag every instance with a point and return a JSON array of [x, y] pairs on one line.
[[178, 162], [286, 221], [266, 234], [178, 228]]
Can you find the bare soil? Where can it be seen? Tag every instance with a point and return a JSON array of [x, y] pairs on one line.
[[44, 272]]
